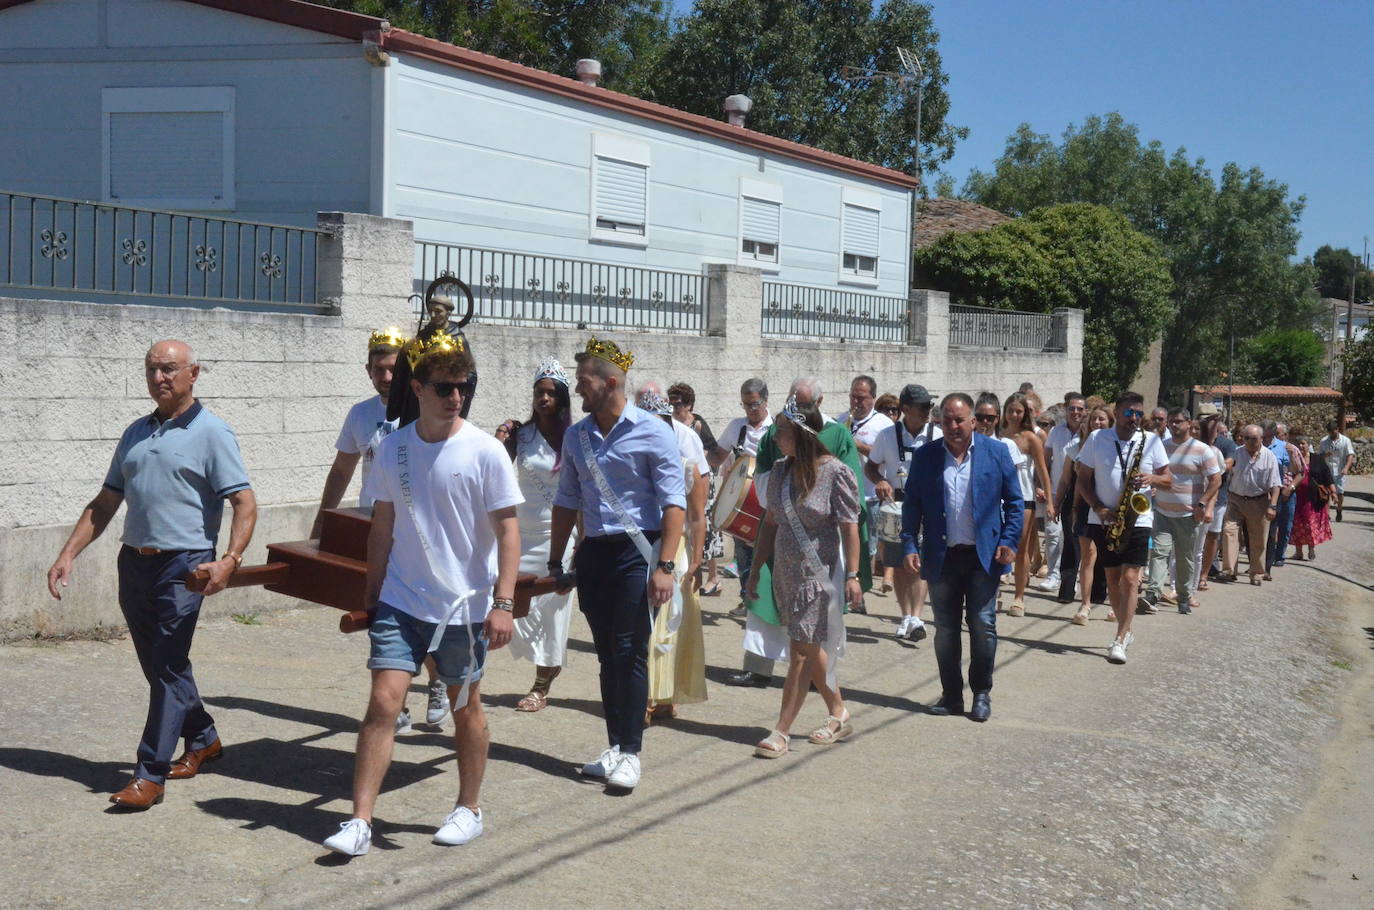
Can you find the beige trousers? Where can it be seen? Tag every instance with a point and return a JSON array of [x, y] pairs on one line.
[[1251, 513]]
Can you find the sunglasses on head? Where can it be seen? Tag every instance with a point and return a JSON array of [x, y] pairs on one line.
[[445, 389]]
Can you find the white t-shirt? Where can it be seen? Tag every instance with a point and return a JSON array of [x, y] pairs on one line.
[[1059, 437], [866, 431], [363, 430], [690, 447], [1109, 456], [893, 455], [752, 434], [1336, 451], [453, 485]]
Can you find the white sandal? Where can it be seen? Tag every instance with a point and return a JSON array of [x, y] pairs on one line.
[[775, 745], [824, 736]]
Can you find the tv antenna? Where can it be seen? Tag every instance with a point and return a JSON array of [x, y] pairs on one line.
[[911, 72]]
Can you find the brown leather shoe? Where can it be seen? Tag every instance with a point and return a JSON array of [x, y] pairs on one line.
[[191, 760], [140, 793]]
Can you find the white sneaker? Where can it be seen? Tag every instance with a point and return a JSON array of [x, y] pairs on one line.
[[1049, 584], [917, 630], [459, 826], [603, 765], [438, 707], [625, 774], [904, 627], [1116, 654], [354, 838], [403, 722]]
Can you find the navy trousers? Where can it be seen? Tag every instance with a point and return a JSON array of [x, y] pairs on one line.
[[965, 593], [611, 592], [162, 616]]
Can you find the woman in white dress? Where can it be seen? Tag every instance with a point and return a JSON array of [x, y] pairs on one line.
[[536, 447]]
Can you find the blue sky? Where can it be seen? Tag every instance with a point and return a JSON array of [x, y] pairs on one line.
[[1285, 86]]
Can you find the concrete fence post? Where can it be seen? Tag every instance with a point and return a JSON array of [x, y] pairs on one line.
[[365, 269], [735, 301]]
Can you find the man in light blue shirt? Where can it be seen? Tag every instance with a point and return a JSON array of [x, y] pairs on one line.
[[174, 468], [637, 500]]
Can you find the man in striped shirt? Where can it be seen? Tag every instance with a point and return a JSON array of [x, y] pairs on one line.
[[1178, 512]]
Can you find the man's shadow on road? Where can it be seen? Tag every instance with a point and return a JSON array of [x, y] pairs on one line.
[[95, 776]]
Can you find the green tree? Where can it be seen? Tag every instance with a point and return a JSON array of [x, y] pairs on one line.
[[1282, 357], [787, 56], [1228, 239], [1081, 256], [625, 35], [1357, 383], [1334, 267]]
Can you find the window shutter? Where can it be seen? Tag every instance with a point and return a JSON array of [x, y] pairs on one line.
[[860, 231], [761, 220], [621, 191], [175, 155]]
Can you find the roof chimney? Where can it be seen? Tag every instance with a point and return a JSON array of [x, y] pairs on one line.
[[736, 107], [588, 71]]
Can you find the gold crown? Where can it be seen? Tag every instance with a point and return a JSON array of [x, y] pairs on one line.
[[610, 352], [390, 337], [438, 343]]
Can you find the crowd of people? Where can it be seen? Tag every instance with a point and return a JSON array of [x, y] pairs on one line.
[[941, 502]]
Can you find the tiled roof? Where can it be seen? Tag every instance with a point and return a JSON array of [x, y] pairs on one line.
[[937, 217], [1295, 392]]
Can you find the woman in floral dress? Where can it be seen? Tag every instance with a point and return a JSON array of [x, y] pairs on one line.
[[811, 536], [1311, 521]]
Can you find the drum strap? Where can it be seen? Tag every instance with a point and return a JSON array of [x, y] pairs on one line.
[[649, 552], [460, 600]]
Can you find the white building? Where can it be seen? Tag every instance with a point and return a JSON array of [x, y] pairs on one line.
[[273, 110]]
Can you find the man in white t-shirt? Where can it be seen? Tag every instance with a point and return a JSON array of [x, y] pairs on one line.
[[1339, 453], [365, 426], [865, 422], [887, 467], [741, 437], [1056, 441], [442, 558], [1105, 460], [1178, 511]]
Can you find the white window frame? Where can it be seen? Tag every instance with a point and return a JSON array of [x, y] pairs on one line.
[[761, 191], [607, 146], [863, 199], [174, 100]]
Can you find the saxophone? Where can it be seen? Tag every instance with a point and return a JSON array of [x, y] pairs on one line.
[[1131, 506]]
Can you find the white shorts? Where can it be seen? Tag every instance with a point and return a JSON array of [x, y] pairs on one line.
[[1218, 519]]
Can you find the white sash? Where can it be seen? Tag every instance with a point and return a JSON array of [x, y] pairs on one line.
[[650, 553], [460, 598], [522, 464]]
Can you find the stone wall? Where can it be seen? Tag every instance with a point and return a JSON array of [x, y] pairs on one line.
[[1310, 417], [71, 380]]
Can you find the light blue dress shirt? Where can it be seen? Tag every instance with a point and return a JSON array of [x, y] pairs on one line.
[[640, 459], [959, 499]]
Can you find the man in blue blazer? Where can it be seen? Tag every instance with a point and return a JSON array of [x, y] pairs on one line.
[[963, 512]]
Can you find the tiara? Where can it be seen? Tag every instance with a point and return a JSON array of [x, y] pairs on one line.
[[794, 414], [654, 403], [610, 352], [550, 368], [439, 343], [389, 337]]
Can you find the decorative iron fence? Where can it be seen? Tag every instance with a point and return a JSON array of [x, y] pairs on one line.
[[828, 314], [524, 289], [48, 243], [1007, 330]]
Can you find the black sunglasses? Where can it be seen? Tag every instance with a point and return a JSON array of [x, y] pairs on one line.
[[445, 389], [986, 418]]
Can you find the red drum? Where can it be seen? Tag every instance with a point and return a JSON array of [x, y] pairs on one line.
[[737, 511]]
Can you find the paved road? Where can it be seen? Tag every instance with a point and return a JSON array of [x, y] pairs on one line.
[[1174, 781]]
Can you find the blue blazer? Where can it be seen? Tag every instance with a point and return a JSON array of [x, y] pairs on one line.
[[997, 505]]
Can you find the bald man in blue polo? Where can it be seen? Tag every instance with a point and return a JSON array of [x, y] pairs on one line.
[[174, 468]]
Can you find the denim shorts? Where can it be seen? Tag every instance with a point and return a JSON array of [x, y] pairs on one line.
[[400, 642]]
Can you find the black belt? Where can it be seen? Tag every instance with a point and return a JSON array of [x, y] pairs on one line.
[[1244, 496], [958, 547]]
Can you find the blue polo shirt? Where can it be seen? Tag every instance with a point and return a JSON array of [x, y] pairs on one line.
[[174, 475]]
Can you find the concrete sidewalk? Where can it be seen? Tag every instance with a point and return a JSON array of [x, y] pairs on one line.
[[1168, 782]]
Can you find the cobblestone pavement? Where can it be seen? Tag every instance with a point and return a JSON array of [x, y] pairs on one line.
[[1173, 781]]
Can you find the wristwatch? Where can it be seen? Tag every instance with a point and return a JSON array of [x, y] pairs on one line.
[[853, 575], [666, 565], [238, 560]]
